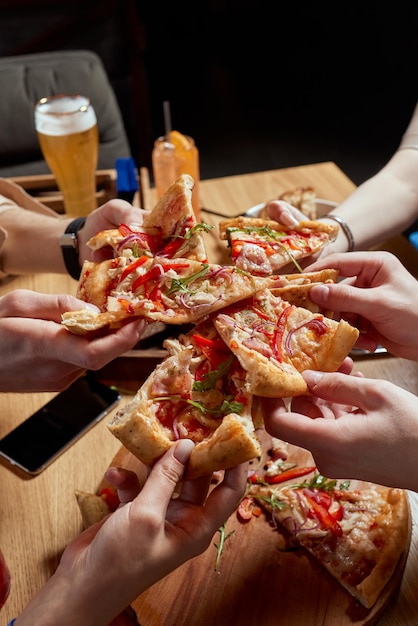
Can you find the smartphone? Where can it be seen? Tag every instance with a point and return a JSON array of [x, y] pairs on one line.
[[46, 434]]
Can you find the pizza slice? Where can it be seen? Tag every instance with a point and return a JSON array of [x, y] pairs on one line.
[[357, 534], [262, 247], [176, 291], [275, 341], [197, 392], [170, 230]]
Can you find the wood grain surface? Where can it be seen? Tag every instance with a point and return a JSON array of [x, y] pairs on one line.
[[259, 579], [39, 516]]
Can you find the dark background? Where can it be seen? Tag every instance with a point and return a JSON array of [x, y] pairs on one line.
[[264, 84], [259, 85]]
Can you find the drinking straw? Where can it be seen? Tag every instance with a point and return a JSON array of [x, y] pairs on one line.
[[167, 118]]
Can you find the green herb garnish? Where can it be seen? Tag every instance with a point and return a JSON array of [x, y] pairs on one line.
[[181, 284], [220, 546], [211, 378]]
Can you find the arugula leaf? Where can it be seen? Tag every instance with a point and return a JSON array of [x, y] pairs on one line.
[[324, 484], [222, 409], [203, 226], [219, 546], [211, 378], [181, 284]]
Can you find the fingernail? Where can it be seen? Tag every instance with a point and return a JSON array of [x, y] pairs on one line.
[[312, 377], [319, 294], [91, 307], [183, 450]]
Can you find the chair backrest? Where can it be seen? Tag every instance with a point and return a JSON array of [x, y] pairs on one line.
[[25, 79]]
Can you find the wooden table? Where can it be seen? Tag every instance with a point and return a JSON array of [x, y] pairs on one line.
[[39, 516]]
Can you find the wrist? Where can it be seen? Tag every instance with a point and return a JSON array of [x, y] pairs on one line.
[[70, 247], [345, 239]]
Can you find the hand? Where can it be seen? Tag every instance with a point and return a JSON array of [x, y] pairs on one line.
[[145, 539], [284, 213], [108, 216], [376, 440], [41, 354], [380, 297]]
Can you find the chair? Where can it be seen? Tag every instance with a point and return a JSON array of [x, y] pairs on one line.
[[25, 79]]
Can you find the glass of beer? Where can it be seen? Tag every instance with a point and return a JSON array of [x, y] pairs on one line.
[[67, 131], [175, 154]]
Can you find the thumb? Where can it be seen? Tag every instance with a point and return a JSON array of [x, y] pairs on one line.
[[341, 297], [338, 387]]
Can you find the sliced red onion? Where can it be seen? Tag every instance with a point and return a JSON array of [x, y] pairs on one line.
[[318, 324]]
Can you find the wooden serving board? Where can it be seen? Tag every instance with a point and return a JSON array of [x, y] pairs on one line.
[[258, 582]]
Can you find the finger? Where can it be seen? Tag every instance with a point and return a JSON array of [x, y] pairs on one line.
[[125, 481], [223, 500], [295, 428], [284, 213], [341, 297], [195, 491], [164, 476], [26, 303], [350, 390], [94, 353]]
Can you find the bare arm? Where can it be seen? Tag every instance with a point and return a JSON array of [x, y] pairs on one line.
[[32, 243], [382, 206]]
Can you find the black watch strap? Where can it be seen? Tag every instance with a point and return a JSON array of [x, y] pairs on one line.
[[69, 247]]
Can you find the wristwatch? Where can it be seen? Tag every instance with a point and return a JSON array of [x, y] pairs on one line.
[[69, 246]]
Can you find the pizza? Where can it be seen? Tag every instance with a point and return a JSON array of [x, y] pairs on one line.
[[357, 532], [204, 389], [197, 392], [262, 247], [170, 230], [173, 291], [275, 341]]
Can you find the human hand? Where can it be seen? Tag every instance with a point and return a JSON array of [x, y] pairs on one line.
[[379, 297], [141, 542], [374, 440], [41, 354], [108, 216]]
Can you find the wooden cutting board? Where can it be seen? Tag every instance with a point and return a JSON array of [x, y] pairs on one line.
[[258, 582]]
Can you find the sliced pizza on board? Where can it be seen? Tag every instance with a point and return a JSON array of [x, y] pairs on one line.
[[358, 534], [262, 247], [198, 392]]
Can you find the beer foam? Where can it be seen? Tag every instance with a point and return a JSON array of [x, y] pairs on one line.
[[64, 115]]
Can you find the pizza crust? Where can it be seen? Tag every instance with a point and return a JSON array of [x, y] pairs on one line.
[[231, 443], [267, 375], [376, 538], [92, 507], [241, 222]]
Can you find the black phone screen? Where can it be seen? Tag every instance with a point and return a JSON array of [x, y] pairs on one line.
[[42, 437]]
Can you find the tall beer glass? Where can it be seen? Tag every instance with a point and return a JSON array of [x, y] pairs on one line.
[[67, 131]]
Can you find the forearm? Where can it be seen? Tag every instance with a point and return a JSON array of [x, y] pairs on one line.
[[382, 206], [32, 243]]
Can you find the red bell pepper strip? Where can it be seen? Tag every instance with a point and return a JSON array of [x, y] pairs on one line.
[[325, 518], [290, 474], [132, 266], [215, 350]]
